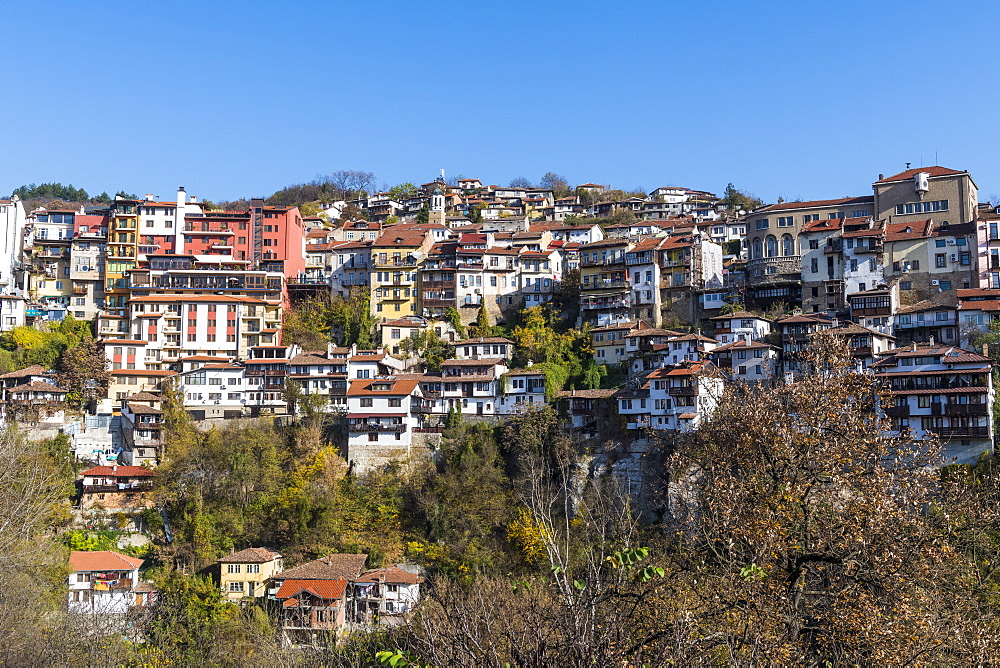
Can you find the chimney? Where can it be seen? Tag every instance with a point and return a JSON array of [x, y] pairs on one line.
[[986, 350], [931, 341], [528, 365], [181, 196], [913, 346]]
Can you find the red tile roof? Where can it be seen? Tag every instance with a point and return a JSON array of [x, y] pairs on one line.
[[328, 590], [119, 471], [391, 575], [103, 560], [816, 204], [251, 555], [910, 173]]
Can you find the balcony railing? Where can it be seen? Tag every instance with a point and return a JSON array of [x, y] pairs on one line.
[[979, 410], [369, 426], [898, 411], [688, 391], [962, 432]]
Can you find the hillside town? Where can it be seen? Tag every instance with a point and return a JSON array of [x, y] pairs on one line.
[[678, 294]]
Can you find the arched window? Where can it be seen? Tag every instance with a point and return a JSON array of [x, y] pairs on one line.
[[772, 246], [787, 245], [758, 249]]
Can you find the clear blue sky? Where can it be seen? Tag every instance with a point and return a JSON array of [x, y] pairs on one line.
[[230, 99]]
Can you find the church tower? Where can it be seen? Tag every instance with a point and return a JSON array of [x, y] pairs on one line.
[[437, 206]]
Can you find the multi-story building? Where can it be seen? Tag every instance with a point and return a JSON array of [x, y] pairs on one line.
[[679, 398], [740, 326], [605, 295], [106, 582], [874, 308], [141, 427], [978, 310], [941, 391], [48, 236], [521, 387], [87, 258], [180, 325], [245, 574], [926, 322], [381, 416], [746, 360], [775, 266], [12, 222], [914, 195], [395, 260]]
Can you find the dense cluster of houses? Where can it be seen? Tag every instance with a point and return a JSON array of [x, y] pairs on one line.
[[308, 601], [184, 293]]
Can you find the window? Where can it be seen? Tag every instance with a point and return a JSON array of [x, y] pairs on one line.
[[785, 221], [922, 207], [395, 403], [366, 402], [905, 285], [813, 244], [944, 285], [763, 224], [236, 587], [940, 260], [253, 568], [396, 334], [233, 568]]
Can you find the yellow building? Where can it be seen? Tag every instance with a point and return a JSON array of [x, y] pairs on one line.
[[244, 574], [395, 259], [122, 251]]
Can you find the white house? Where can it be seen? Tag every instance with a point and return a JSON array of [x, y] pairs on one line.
[[106, 582]]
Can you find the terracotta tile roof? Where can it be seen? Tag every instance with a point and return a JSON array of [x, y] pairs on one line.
[[102, 560], [586, 394], [144, 396], [391, 575], [962, 294], [693, 337], [306, 358], [630, 324], [739, 315], [362, 387], [119, 471], [919, 229], [687, 416], [33, 370], [910, 173], [876, 231], [38, 386], [142, 409], [742, 344], [251, 555], [406, 238], [652, 331], [488, 339], [980, 305], [828, 225], [816, 204], [328, 590], [331, 567], [923, 305], [480, 362]]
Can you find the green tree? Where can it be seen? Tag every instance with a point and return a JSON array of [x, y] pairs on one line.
[[557, 183], [84, 372], [737, 200], [402, 191], [424, 215]]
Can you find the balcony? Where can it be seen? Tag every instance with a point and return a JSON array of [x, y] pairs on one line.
[[438, 285], [438, 303], [394, 262], [870, 248], [898, 411], [370, 426], [79, 289], [589, 303], [106, 489], [687, 391], [674, 263], [962, 432], [978, 410], [601, 262], [605, 283]]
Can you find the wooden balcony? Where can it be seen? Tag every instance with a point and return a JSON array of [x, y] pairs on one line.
[[371, 426], [688, 391], [977, 410], [898, 411], [962, 432]]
